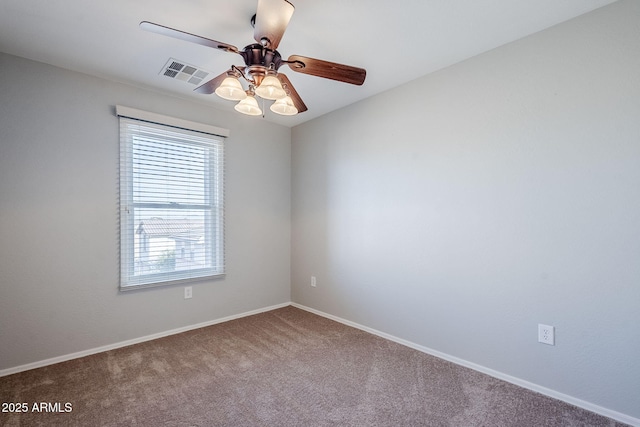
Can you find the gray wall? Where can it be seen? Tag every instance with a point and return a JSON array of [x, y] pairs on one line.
[[59, 219], [460, 210]]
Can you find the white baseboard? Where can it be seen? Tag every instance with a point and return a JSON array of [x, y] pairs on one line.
[[64, 358], [496, 374]]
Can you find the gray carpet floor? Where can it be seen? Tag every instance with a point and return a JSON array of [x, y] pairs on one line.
[[286, 367]]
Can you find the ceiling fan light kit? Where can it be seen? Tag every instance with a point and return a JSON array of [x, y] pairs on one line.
[[262, 62], [249, 106], [270, 88], [231, 90], [284, 106]]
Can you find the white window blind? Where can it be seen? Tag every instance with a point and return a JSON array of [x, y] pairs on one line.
[[171, 204]]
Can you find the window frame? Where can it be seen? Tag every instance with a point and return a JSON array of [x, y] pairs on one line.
[[197, 136]]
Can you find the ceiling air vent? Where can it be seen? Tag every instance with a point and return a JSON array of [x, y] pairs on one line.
[[185, 72]]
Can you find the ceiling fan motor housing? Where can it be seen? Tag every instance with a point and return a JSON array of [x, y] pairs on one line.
[[259, 60]]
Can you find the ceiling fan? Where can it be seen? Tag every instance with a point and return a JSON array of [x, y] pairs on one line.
[[262, 63]]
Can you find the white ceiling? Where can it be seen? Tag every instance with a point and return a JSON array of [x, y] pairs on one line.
[[395, 41]]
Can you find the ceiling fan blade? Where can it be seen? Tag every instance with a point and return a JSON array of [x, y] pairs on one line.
[[209, 87], [181, 35], [288, 87], [271, 22], [327, 70]]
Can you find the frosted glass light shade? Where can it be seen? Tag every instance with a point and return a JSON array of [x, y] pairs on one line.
[[284, 106], [231, 89], [249, 106], [270, 88]]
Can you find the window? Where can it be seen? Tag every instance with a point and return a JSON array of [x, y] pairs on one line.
[[171, 202]]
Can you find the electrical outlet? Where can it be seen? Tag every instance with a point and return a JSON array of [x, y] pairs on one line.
[[313, 281], [188, 292], [546, 334]]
